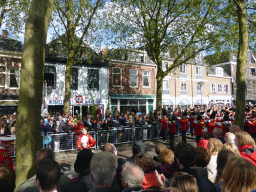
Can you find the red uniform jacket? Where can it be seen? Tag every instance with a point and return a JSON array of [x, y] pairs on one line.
[[183, 123], [252, 127], [172, 127], [90, 143], [191, 121], [164, 122], [203, 143], [199, 129], [211, 126], [78, 128]]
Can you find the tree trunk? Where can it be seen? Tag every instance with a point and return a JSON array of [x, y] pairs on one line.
[[31, 87], [159, 89], [67, 85], [241, 63]]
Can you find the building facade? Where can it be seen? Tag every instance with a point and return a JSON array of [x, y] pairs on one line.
[[132, 85], [10, 67]]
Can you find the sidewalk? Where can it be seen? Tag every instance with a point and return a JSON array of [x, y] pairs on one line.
[[67, 159]]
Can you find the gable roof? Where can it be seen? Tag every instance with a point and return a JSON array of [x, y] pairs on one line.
[[8, 44]]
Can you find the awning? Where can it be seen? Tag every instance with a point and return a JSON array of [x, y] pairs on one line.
[[167, 102], [183, 102], [199, 102]]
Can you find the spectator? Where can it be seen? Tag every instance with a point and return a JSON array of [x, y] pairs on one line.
[[234, 129], [229, 138], [218, 134], [159, 147], [132, 177], [231, 147], [246, 146], [239, 175], [84, 182], [7, 179], [5, 158], [146, 163], [103, 167], [204, 142], [186, 158], [138, 148], [202, 160], [168, 164], [30, 185], [184, 182], [214, 146], [48, 175], [109, 147], [222, 159]]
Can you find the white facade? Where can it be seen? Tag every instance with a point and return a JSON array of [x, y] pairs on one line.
[[83, 95]]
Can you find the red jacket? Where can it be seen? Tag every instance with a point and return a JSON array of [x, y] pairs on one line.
[[172, 127], [252, 127], [203, 143], [191, 121], [90, 143], [199, 129], [248, 152], [164, 123], [5, 158], [183, 123]]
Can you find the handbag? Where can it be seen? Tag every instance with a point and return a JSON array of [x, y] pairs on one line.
[[47, 139]]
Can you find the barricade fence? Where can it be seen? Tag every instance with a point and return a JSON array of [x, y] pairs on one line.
[[60, 142]]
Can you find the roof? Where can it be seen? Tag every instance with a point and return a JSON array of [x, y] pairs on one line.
[[211, 71], [8, 44]]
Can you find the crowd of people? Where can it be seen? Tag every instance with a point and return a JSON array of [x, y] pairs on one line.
[[224, 158]]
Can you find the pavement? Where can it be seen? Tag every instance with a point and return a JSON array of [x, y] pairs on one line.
[[67, 159]]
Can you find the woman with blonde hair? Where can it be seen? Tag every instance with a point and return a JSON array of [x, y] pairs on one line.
[[184, 182], [231, 147], [214, 146], [246, 146], [239, 175]]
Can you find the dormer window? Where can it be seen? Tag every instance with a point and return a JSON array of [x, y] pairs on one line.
[[218, 71]]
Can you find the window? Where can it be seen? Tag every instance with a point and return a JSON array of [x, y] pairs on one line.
[[146, 79], [213, 88], [165, 84], [183, 85], [117, 76], [198, 70], [133, 78], [218, 71], [183, 68], [225, 88], [198, 87], [50, 76], [9, 74], [93, 79], [164, 65], [252, 72], [74, 79], [219, 88]]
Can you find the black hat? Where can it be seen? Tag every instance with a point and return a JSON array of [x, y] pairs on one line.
[[83, 159]]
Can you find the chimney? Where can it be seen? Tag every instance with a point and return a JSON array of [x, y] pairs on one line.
[[4, 33]]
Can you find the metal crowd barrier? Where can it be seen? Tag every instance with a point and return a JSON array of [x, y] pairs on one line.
[[60, 142]]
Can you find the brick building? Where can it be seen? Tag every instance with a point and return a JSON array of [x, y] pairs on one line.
[[132, 84]]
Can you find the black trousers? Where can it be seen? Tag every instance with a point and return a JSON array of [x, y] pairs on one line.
[[183, 134], [163, 134], [171, 135]]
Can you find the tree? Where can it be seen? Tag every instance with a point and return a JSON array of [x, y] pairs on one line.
[[184, 28], [73, 18], [13, 15], [31, 87], [241, 61]]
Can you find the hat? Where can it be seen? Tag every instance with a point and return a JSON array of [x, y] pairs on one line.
[[83, 159]]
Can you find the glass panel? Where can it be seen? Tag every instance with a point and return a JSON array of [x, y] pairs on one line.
[[145, 81], [133, 101], [113, 101], [74, 80], [150, 101], [93, 79], [50, 69], [13, 82], [133, 80], [117, 79], [142, 101], [123, 109], [133, 72], [143, 109], [123, 101], [2, 79], [116, 70], [150, 108]]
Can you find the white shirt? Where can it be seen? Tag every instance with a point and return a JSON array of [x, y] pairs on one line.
[[84, 141]]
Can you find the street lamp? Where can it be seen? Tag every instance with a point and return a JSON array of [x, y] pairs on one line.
[[201, 84]]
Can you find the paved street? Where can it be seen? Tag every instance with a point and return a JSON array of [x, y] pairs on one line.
[[67, 159]]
